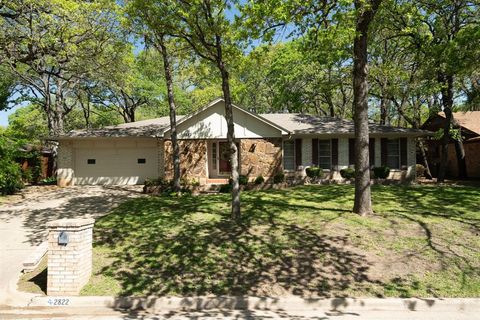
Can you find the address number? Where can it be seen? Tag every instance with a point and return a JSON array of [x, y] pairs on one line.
[[58, 302]]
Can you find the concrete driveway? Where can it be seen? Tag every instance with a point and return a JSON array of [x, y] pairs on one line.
[[22, 222]]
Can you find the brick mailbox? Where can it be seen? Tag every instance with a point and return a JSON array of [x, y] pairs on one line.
[[69, 255]]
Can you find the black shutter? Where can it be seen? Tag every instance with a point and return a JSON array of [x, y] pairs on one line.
[[403, 152], [298, 152], [315, 152], [334, 154], [351, 152], [383, 150], [371, 149]]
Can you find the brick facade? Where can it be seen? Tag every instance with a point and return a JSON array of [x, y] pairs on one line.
[[70, 265], [260, 157], [65, 160]]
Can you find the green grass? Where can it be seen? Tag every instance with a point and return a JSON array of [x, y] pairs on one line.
[[35, 281], [422, 241]]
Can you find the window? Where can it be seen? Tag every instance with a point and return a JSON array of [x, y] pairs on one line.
[[214, 155], [393, 153], [289, 155], [325, 154], [91, 161], [141, 161]]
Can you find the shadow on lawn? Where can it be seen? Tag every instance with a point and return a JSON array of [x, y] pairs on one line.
[[163, 251], [189, 246]]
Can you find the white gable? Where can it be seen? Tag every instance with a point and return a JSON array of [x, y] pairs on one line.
[[210, 123]]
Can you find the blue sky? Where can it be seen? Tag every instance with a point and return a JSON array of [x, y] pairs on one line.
[[4, 116]]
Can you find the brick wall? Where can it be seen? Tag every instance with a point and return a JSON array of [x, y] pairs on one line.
[[70, 265], [65, 164], [472, 155]]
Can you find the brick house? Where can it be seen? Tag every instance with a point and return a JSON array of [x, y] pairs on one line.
[[470, 125], [268, 143]]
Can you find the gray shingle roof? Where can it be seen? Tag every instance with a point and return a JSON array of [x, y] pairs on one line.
[[144, 128], [295, 123], [298, 123]]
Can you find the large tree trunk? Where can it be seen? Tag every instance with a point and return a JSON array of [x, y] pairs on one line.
[[173, 117], [236, 214], [428, 173], [363, 201], [383, 110], [460, 153], [447, 102]]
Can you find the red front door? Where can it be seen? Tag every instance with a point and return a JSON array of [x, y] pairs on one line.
[[224, 159]]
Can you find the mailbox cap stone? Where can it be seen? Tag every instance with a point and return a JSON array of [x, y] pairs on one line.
[[70, 223]]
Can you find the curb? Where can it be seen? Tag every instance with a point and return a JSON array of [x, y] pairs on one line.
[[290, 303]]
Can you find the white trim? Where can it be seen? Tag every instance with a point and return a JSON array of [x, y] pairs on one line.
[[282, 130]]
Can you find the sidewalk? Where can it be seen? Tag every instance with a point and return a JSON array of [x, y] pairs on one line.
[[244, 308]]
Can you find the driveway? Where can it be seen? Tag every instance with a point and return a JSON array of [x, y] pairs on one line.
[[22, 222]]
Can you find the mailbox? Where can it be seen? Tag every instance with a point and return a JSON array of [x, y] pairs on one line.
[[63, 238]]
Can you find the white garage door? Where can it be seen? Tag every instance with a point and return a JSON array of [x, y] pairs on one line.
[[115, 165]]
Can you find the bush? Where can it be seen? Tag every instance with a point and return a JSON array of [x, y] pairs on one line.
[[259, 180], [243, 180], [10, 177], [381, 172], [225, 188], [150, 182], [314, 172], [279, 177], [420, 170], [48, 181], [348, 173]]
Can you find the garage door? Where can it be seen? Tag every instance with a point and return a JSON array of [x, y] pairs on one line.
[[115, 165]]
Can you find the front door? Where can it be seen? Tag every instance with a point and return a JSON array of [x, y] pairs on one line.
[[224, 159]]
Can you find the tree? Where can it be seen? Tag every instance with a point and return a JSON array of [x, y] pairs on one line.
[[365, 12], [51, 46], [204, 27], [311, 17], [446, 32]]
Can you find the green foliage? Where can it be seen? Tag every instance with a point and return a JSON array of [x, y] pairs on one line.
[[48, 181], [10, 171], [153, 182], [279, 177], [314, 172], [259, 180], [348, 173], [243, 180], [381, 172], [225, 188]]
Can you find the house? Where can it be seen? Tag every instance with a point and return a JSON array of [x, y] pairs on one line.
[[470, 128], [268, 143]]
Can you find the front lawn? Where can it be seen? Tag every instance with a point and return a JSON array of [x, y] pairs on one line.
[[421, 241]]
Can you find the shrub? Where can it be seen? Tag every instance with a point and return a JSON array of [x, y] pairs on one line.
[[381, 172], [10, 176], [259, 180], [243, 180], [225, 188], [48, 181], [279, 177], [348, 173], [314, 172], [151, 182], [420, 170], [27, 176]]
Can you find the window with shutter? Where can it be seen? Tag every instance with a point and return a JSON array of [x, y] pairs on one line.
[[324, 154], [289, 155]]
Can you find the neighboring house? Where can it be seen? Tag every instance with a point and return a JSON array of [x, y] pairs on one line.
[[268, 143], [470, 125]]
